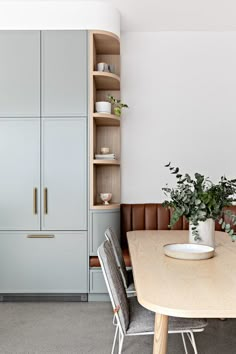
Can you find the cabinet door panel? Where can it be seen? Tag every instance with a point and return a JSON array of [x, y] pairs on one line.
[[64, 73], [43, 265], [20, 174], [97, 283], [99, 222], [64, 174], [20, 74]]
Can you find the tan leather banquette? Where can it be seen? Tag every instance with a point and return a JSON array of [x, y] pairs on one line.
[[146, 217]]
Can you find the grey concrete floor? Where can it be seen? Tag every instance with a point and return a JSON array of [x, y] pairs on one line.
[[81, 328]]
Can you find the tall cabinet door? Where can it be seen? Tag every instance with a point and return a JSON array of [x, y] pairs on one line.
[[64, 73], [19, 174], [20, 74], [64, 174]]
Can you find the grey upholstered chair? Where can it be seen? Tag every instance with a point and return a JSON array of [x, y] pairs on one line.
[[130, 318], [127, 275]]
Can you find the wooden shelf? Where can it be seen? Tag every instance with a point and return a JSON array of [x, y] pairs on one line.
[[106, 43], [106, 119], [106, 162], [106, 81], [105, 207], [104, 128]]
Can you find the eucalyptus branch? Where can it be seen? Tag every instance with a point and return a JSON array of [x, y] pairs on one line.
[[198, 199]]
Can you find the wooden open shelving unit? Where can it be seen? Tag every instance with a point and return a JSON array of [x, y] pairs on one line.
[[104, 128]]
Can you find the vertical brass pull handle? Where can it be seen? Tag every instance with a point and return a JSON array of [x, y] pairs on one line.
[[35, 201], [45, 200]]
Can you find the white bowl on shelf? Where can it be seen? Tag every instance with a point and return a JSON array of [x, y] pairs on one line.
[[106, 197], [103, 107]]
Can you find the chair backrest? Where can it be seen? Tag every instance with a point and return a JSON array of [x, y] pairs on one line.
[[113, 238], [114, 284]]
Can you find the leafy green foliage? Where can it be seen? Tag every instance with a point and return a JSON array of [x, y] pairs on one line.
[[198, 199], [118, 105]]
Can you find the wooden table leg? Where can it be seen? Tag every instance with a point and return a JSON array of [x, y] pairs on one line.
[[161, 334]]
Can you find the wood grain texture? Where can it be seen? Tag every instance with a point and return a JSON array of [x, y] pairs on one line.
[[106, 207], [108, 137], [106, 42], [106, 162], [182, 288], [106, 120], [109, 59], [106, 81], [108, 181], [161, 334]]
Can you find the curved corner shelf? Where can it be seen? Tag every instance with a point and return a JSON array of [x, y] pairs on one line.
[[106, 42], [106, 81], [106, 162], [106, 207], [103, 119]]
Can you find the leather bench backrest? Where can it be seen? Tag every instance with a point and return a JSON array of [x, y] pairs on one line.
[[150, 217]]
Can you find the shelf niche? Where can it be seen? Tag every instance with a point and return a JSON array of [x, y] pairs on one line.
[[107, 180]]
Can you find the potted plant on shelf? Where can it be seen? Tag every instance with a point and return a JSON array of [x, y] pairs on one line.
[[118, 105], [202, 203]]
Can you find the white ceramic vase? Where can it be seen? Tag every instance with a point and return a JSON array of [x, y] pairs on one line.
[[206, 231]]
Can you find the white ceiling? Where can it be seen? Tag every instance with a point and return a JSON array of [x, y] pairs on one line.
[[176, 15], [173, 15]]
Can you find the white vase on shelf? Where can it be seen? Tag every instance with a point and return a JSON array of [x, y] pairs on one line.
[[103, 107], [206, 232]]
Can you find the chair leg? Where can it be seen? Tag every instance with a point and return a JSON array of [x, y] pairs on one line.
[[184, 342], [121, 340], [192, 341], [114, 340]]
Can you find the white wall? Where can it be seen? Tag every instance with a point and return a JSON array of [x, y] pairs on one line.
[[181, 88]]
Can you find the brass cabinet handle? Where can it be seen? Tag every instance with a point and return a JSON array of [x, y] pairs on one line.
[[45, 200], [35, 201], [40, 236]]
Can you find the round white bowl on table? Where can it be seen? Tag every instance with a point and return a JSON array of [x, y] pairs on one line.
[[188, 251]]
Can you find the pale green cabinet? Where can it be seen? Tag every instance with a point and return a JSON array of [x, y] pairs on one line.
[[99, 222], [44, 246], [20, 174], [43, 262], [64, 174], [19, 73], [64, 73]]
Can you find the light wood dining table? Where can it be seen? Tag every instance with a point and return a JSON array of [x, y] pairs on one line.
[[182, 288]]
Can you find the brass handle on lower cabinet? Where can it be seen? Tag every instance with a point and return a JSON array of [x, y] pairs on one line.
[[45, 200], [40, 236], [35, 201]]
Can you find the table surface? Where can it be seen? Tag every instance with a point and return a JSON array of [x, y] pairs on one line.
[[183, 288]]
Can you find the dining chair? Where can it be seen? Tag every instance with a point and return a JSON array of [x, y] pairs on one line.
[[127, 275], [132, 319]]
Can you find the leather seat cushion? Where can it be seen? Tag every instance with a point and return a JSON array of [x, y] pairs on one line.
[[94, 261]]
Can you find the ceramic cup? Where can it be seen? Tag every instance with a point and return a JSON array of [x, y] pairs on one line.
[[103, 67], [112, 68]]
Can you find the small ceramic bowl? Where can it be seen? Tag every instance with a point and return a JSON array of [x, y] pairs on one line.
[[106, 197], [105, 150]]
